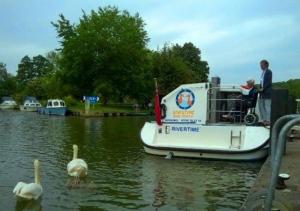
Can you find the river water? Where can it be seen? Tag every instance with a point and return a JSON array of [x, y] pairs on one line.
[[121, 175]]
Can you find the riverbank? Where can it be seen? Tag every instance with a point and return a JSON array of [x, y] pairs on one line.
[[99, 110], [285, 199]]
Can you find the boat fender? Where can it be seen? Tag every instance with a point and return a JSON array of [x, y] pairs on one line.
[[163, 111]]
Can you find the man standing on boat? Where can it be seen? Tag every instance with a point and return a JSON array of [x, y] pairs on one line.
[[265, 92]]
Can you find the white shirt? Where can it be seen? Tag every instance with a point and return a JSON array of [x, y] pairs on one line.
[[262, 79]]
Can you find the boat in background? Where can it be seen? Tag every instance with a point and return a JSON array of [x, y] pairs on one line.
[[7, 103], [54, 107], [30, 104], [192, 125]]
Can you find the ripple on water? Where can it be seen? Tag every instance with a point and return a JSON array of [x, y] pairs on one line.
[[120, 177]]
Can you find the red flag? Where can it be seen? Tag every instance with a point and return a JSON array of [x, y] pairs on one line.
[[157, 105]]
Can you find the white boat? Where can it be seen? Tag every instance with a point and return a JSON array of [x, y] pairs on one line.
[[54, 107], [192, 125], [30, 104], [7, 103]]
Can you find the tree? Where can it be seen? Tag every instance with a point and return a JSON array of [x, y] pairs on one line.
[[7, 81], [192, 57], [3, 72], [105, 52], [171, 70], [25, 71], [40, 66]]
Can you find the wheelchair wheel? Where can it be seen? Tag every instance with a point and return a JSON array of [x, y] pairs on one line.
[[250, 119]]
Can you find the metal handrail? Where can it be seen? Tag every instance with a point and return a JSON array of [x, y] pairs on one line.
[[277, 127], [277, 153], [235, 112]]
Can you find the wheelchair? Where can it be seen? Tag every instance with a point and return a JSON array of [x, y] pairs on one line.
[[250, 118]]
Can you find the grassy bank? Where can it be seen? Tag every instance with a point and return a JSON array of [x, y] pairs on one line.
[[110, 108]]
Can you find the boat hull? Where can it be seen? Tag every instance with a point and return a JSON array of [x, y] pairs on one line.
[[250, 156], [8, 106], [29, 108], [61, 111], [225, 142]]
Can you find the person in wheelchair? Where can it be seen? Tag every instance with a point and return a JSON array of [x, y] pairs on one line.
[[249, 99], [244, 107]]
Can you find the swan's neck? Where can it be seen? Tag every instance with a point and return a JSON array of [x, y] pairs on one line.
[[75, 152], [37, 179]]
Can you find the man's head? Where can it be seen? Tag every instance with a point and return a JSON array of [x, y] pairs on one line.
[[264, 64]]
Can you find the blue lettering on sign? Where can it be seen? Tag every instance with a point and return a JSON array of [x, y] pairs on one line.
[[92, 99], [185, 129]]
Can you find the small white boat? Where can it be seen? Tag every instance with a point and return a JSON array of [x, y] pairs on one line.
[[7, 103], [30, 104], [54, 107], [192, 125]]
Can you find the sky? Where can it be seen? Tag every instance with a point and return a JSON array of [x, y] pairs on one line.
[[233, 36]]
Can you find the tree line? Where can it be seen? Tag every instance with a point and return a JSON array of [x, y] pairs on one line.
[[104, 54]]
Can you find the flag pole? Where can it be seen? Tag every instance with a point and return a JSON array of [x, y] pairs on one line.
[[157, 104]]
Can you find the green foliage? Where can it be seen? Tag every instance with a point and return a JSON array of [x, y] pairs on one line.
[[178, 65], [191, 55], [3, 72], [292, 85], [7, 82], [36, 77], [29, 70], [103, 53], [70, 101], [24, 72], [34, 87]]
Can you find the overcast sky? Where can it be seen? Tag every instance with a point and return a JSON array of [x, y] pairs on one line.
[[233, 36]]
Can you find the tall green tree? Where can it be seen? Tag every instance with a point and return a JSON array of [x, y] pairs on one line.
[[32, 73], [40, 66], [192, 57], [3, 72], [178, 65], [25, 71], [104, 53], [7, 82], [170, 70]]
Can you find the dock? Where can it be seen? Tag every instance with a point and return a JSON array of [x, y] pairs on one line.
[[285, 199]]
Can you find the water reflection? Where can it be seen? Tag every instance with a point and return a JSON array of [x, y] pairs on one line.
[[31, 205], [121, 175]]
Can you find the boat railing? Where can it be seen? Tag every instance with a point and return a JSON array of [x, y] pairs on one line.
[[227, 103], [226, 109]]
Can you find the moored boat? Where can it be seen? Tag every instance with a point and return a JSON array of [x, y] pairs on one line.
[[7, 103], [54, 107], [192, 125], [30, 104]]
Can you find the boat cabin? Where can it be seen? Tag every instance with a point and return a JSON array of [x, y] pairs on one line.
[[209, 103], [31, 102], [55, 103]]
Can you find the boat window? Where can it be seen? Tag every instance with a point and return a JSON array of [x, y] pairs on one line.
[[62, 103], [49, 103], [26, 104], [55, 103]]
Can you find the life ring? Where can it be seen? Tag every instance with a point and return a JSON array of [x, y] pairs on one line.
[[163, 111]]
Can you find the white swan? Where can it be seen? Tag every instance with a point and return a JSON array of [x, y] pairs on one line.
[[77, 167], [31, 190]]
